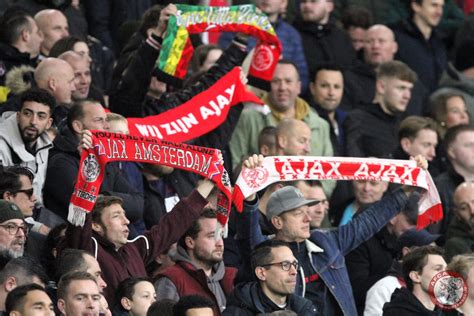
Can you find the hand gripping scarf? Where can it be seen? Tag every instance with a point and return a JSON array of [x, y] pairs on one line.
[[108, 147], [177, 50], [291, 168], [203, 113]]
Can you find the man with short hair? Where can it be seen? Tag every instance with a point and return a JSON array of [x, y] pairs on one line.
[[13, 230], [318, 213], [460, 234], [419, 267], [29, 300], [379, 47], [81, 66], [23, 137], [371, 131], [54, 26], [417, 135], [419, 43], [64, 164], [18, 272], [284, 103], [459, 144], [193, 305], [20, 41], [275, 269], [324, 278], [382, 290], [78, 294], [327, 88], [57, 77], [72, 260], [199, 268], [105, 233]]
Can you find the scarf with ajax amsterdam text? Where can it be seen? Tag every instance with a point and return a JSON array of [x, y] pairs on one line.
[[108, 147], [291, 168]]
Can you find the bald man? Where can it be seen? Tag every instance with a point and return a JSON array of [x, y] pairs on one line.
[[54, 26], [57, 77], [379, 47], [460, 235], [293, 138], [82, 74]]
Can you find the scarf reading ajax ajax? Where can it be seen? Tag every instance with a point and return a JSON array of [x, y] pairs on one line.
[[177, 49]]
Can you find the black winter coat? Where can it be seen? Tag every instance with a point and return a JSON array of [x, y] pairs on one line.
[[427, 58], [11, 57], [249, 299], [403, 302], [325, 43], [63, 165], [370, 132]]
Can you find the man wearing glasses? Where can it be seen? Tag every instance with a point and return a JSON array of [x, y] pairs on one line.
[[13, 230], [275, 268]]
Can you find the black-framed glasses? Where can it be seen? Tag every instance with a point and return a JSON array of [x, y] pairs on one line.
[[285, 265], [28, 192], [13, 228]]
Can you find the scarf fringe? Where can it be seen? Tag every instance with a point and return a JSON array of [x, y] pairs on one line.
[[76, 215]]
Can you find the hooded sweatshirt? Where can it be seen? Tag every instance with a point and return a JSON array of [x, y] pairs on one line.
[[404, 303], [185, 278]]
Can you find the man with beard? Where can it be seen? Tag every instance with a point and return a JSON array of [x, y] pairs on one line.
[[460, 235], [23, 138], [199, 269], [13, 230]]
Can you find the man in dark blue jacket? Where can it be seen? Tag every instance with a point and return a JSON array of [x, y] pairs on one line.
[[323, 276], [419, 45]]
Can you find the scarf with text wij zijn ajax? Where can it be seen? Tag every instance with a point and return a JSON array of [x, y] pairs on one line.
[[108, 147], [177, 50], [201, 114], [291, 168]]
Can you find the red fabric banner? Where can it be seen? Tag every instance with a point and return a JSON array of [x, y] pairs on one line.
[[200, 115], [292, 168], [108, 147]]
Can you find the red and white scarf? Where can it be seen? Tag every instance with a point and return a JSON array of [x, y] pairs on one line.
[[108, 147], [198, 116], [291, 168]]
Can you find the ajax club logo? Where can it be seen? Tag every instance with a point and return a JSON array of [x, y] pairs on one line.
[[254, 178], [91, 168], [448, 290]]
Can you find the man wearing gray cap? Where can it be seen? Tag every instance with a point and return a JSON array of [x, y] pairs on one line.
[[323, 276], [13, 230]]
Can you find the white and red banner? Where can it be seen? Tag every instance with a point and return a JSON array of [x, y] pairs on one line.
[[291, 168]]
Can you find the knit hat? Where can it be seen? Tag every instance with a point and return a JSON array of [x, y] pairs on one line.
[[464, 58], [9, 211], [286, 199]]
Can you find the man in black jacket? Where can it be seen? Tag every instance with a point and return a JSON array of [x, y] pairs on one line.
[[372, 132], [419, 268], [323, 41], [275, 268], [63, 165], [20, 41]]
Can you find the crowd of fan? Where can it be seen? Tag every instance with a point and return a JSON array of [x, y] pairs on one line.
[[384, 79]]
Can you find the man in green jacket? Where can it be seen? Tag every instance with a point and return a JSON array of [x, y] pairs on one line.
[[284, 103]]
